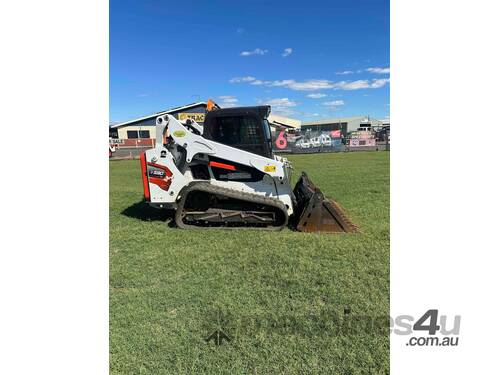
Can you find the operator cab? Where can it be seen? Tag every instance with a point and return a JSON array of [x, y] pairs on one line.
[[245, 128]]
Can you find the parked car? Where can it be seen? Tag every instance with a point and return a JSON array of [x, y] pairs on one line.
[[316, 142], [303, 143], [325, 140], [321, 140]]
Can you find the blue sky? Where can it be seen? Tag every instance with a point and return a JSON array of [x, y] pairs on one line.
[[308, 59]]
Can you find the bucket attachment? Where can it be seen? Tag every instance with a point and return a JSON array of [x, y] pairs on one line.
[[315, 213]]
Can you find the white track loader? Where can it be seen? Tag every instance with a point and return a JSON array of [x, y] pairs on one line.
[[224, 174]]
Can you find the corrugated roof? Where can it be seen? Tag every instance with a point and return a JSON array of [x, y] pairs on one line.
[[158, 114], [335, 120], [285, 121]]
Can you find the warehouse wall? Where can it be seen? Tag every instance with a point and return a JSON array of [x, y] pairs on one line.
[[122, 132], [348, 125], [150, 123]]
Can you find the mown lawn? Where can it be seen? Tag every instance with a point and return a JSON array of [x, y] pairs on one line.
[[284, 298]]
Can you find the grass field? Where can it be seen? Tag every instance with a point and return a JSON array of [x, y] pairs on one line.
[[280, 296]]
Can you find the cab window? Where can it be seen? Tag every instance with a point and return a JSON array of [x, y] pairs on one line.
[[243, 132]]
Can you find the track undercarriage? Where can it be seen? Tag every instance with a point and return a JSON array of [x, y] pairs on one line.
[[210, 206]]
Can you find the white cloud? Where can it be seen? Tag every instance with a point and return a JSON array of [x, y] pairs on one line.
[[334, 103], [308, 85], [228, 100], [379, 83], [378, 70], [345, 72], [242, 79], [315, 84], [284, 111], [257, 51], [361, 84], [287, 52], [257, 82], [353, 85], [142, 95], [279, 102], [316, 95], [282, 106]]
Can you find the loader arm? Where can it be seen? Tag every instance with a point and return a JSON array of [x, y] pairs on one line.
[[197, 144]]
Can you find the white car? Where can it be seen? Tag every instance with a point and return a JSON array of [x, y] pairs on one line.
[[316, 142], [322, 140], [325, 140], [302, 143]]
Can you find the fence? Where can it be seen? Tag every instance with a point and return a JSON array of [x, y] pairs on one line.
[[133, 143], [307, 142], [298, 143]]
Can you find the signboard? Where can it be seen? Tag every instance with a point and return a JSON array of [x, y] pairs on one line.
[[198, 117], [307, 142], [336, 134]]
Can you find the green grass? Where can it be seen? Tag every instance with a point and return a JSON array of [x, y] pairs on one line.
[[280, 296]]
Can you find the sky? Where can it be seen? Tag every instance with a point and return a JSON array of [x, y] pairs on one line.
[[310, 60]]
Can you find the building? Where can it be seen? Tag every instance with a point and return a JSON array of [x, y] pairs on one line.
[[281, 122], [142, 131], [345, 124]]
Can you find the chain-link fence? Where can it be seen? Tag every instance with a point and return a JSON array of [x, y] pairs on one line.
[[305, 142]]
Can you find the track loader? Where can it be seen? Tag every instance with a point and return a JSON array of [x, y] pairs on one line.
[[224, 174]]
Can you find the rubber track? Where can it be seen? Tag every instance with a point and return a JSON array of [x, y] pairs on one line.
[[212, 189]]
